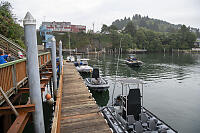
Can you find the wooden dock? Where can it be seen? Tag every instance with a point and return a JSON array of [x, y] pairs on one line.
[[79, 111]]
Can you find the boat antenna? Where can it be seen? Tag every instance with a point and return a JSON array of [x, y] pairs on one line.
[[116, 70]]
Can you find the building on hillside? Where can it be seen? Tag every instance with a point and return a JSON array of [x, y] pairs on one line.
[[63, 27], [197, 43], [78, 28]]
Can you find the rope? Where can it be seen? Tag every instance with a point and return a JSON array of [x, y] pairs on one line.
[[116, 70]]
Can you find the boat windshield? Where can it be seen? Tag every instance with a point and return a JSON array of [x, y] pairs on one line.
[[84, 59], [85, 63], [132, 57], [130, 81]]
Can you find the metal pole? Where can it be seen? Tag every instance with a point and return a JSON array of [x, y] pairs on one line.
[[76, 51], [69, 45], [60, 55], [33, 71], [142, 97], [53, 61]]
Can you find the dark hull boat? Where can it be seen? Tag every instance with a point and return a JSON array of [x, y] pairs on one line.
[[96, 83], [134, 63], [127, 115]]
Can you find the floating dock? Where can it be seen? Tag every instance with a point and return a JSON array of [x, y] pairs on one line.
[[79, 111]]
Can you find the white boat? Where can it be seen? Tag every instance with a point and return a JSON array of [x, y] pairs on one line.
[[127, 114], [83, 66], [96, 83], [70, 58]]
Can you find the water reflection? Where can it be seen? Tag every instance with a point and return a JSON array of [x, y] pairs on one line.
[[101, 97]]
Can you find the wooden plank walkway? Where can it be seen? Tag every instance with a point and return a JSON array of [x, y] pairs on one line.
[[79, 111]]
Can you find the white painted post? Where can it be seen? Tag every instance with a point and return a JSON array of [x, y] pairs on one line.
[[53, 61], [60, 55], [76, 51], [33, 71], [87, 51]]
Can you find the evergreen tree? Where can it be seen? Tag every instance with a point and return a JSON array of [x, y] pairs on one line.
[[130, 29], [8, 25]]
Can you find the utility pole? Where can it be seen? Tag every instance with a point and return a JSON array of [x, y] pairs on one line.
[[93, 26], [33, 71]]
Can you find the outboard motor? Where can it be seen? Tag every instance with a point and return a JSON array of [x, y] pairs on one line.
[[76, 64], [95, 73], [134, 103]]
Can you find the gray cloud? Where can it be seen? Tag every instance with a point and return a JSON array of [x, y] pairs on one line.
[[101, 12]]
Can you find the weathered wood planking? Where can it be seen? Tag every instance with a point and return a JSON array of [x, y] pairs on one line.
[[80, 113]]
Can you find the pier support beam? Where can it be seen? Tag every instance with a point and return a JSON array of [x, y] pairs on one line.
[[53, 61], [33, 71]]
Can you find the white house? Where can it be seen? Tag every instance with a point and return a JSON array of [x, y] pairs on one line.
[[197, 43]]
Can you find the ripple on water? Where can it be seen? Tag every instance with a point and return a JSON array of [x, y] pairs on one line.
[[169, 77]]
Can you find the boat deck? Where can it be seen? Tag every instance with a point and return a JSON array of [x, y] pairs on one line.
[[79, 111]]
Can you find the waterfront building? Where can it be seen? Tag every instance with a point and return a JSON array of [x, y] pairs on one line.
[[64, 27]]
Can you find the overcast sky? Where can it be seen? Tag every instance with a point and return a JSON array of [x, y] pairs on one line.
[[87, 12]]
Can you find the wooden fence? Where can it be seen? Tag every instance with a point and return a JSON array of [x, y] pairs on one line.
[[13, 74]]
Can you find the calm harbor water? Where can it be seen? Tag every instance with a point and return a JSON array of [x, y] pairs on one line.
[[171, 90]]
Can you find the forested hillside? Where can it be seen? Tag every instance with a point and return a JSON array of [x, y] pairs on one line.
[[143, 38], [150, 23]]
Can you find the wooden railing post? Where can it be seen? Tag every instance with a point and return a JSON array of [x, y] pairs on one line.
[[39, 60], [14, 78]]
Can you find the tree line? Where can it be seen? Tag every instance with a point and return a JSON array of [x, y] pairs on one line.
[[8, 24], [143, 38], [131, 38]]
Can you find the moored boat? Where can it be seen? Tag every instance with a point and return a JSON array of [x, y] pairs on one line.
[[96, 83], [127, 114], [83, 67], [133, 61], [70, 58]]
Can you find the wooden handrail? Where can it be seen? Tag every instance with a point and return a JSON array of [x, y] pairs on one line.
[[12, 73], [20, 60]]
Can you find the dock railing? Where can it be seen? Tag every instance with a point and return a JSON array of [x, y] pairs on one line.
[[14, 74], [57, 114]]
